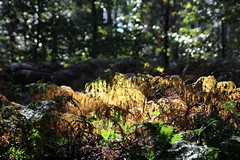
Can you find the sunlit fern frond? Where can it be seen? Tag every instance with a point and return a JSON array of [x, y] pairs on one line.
[[119, 91], [226, 86], [205, 83]]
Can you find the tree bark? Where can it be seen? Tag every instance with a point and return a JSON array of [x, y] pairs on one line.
[[94, 32], [38, 10], [223, 38], [109, 12], [54, 46], [166, 38]]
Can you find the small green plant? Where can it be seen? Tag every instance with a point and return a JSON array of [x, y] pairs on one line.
[[229, 105], [35, 137], [17, 154], [177, 137], [109, 133], [127, 128], [166, 131]]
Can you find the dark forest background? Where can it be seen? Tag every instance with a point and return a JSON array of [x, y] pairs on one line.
[[162, 32]]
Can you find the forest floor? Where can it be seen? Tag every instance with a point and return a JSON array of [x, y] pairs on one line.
[[122, 109]]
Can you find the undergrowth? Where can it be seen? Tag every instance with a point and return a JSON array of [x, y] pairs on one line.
[[123, 117]]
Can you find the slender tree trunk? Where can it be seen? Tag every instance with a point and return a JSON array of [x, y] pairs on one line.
[[12, 41], [223, 36], [166, 38], [175, 52], [223, 39], [54, 40], [175, 18], [109, 12], [35, 54], [94, 32]]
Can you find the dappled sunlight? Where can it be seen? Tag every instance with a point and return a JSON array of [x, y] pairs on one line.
[[120, 109], [165, 99], [119, 79]]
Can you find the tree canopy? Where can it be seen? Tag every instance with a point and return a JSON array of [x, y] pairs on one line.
[[162, 31]]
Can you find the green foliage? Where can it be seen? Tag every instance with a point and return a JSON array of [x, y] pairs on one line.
[[108, 134], [229, 105], [17, 154], [63, 30], [35, 137], [177, 137], [21, 127], [166, 131], [70, 124]]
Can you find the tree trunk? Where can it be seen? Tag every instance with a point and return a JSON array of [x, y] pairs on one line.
[[166, 38], [54, 46], [38, 10], [109, 12], [94, 33], [223, 39]]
